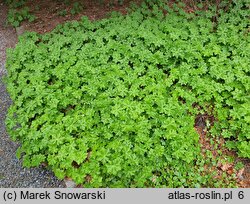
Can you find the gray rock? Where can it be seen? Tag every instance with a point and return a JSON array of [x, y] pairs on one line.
[[20, 30], [69, 183]]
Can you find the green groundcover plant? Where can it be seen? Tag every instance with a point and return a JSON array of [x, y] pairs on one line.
[[112, 103], [16, 17], [18, 12]]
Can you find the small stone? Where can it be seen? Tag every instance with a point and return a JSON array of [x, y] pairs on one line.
[[69, 183], [20, 30]]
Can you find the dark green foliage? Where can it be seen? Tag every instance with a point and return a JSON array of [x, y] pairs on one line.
[[113, 103], [111, 2], [15, 3], [62, 13], [18, 12], [15, 17]]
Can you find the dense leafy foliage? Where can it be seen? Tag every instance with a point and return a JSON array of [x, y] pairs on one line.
[[113, 103]]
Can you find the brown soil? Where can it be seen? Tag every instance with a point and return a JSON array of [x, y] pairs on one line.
[[47, 12]]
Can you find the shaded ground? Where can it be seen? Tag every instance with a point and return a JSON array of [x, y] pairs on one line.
[[48, 12]]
